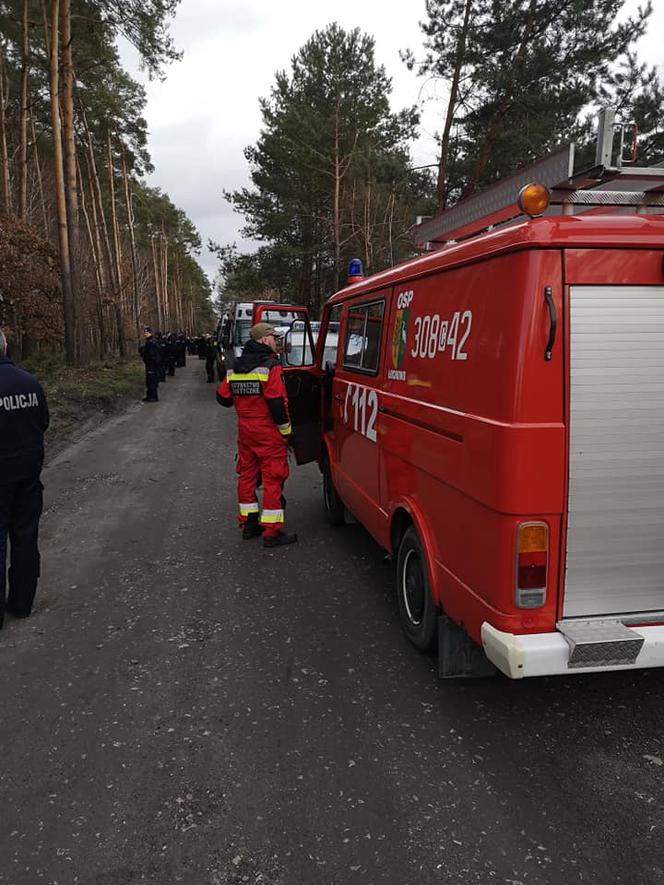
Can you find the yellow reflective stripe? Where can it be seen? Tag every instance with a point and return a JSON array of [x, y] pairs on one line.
[[285, 429], [247, 376], [246, 509], [270, 517]]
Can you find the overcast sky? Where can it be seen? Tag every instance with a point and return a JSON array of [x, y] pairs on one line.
[[206, 111]]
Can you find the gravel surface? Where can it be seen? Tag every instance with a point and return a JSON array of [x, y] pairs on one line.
[[187, 707]]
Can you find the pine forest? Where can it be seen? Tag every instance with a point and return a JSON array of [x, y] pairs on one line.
[[90, 253]]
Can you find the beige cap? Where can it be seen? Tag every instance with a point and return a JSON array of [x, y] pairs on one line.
[[262, 330]]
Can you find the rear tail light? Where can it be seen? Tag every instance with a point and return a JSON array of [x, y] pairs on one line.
[[532, 564]]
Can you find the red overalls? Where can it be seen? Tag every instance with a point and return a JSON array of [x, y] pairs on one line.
[[259, 396]]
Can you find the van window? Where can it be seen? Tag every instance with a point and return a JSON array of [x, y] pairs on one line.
[[364, 323], [331, 338], [242, 329], [298, 344], [298, 348]]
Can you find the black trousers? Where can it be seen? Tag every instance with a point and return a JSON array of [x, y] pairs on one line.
[[20, 509], [209, 368], [151, 384]]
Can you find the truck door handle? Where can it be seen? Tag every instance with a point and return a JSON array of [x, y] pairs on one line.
[[339, 398], [553, 323]]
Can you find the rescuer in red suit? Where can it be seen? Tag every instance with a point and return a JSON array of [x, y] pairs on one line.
[[255, 386]]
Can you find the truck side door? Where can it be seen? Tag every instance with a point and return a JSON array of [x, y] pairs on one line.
[[301, 377], [355, 405]]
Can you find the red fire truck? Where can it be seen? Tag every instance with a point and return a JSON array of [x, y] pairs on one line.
[[495, 419]]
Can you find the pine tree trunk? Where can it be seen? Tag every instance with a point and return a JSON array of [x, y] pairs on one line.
[[47, 36], [132, 241], [4, 152], [178, 293], [101, 263], [441, 185], [336, 203], [157, 283], [40, 179], [497, 121], [96, 258], [116, 249], [114, 214], [119, 322], [368, 227], [60, 201], [98, 212], [23, 122], [164, 276], [71, 184], [104, 242]]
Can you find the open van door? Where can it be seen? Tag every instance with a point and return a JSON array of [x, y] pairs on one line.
[[301, 376]]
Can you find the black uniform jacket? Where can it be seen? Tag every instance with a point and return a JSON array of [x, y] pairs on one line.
[[23, 420], [151, 354]]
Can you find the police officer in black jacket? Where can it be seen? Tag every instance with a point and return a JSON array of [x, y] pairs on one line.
[[149, 350], [161, 357], [23, 420], [169, 353]]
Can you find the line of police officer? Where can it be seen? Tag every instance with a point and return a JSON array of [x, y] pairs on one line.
[[161, 354], [208, 348]]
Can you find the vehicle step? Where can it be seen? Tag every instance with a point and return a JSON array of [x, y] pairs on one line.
[[600, 643]]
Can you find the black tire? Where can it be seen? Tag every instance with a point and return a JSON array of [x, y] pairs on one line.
[[417, 612], [334, 506]]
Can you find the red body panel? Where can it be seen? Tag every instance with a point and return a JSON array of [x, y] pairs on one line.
[[471, 438], [273, 308]]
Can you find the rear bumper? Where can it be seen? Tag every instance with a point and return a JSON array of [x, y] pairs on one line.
[[548, 654]]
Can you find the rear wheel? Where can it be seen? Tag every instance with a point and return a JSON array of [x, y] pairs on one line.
[[417, 612], [334, 506]]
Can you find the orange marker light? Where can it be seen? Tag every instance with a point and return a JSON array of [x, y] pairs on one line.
[[534, 199], [533, 538]]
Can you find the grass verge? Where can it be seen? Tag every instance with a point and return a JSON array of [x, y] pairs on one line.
[[76, 395]]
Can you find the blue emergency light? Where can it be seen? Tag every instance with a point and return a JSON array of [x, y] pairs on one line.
[[355, 271]]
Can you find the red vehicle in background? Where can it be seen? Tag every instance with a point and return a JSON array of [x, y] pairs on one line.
[[494, 418], [247, 313]]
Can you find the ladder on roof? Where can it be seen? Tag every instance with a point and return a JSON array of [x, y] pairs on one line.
[[608, 183]]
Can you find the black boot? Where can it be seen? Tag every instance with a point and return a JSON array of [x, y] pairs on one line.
[[252, 528], [279, 540], [18, 613]]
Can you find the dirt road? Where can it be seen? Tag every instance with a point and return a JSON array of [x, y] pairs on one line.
[[187, 707]]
